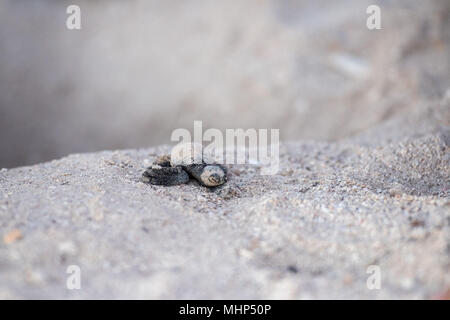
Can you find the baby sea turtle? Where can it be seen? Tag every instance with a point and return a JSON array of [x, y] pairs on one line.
[[186, 160]]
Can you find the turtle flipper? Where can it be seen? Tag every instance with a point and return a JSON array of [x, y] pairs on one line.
[[161, 173], [166, 176]]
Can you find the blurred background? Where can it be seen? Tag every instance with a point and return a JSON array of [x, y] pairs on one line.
[[139, 69]]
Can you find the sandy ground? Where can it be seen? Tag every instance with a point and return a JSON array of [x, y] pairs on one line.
[[310, 231]]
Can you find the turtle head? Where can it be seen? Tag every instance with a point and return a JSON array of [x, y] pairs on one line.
[[213, 175]]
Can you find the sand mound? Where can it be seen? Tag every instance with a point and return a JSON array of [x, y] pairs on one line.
[[310, 231]]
